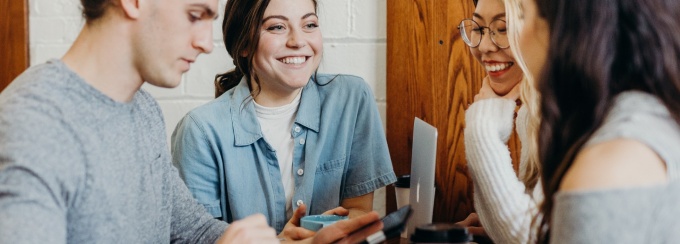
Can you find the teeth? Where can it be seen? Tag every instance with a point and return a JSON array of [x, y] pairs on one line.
[[497, 67], [293, 60]]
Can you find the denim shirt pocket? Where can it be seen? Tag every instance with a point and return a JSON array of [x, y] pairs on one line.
[[330, 166], [213, 207], [328, 185]]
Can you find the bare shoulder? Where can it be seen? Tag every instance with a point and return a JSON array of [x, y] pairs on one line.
[[619, 163]]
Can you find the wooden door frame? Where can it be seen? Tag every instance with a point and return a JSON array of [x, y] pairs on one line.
[[14, 39]]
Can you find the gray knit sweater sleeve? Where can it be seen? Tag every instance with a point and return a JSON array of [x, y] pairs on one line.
[[627, 215], [78, 167], [190, 222], [504, 208]]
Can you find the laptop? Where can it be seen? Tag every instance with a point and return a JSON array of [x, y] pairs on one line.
[[423, 161]]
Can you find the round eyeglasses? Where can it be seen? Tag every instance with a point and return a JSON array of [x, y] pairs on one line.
[[473, 33]]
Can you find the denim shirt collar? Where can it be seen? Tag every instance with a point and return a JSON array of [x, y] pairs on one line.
[[244, 118]]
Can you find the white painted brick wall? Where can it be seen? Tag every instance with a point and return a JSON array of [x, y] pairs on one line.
[[354, 43]]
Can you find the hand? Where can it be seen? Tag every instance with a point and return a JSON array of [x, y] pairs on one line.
[[351, 230], [337, 211], [473, 225], [253, 229], [358, 206], [292, 230], [486, 92]]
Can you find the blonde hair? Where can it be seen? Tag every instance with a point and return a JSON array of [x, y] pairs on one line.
[[530, 97]]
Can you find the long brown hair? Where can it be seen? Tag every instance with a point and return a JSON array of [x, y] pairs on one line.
[[241, 35], [597, 50]]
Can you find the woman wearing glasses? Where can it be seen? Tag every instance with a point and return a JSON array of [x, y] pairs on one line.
[[505, 203]]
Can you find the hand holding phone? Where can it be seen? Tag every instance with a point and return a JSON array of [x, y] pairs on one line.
[[358, 228], [393, 224]]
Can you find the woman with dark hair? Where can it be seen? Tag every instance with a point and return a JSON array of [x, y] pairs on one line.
[[279, 136], [610, 129]]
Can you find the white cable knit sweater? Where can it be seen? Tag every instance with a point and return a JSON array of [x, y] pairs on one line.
[[504, 208]]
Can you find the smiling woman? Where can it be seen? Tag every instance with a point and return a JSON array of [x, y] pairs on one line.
[[247, 55], [492, 52], [505, 200], [288, 53], [279, 136]]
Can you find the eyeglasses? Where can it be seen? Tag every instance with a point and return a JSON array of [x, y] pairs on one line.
[[473, 33]]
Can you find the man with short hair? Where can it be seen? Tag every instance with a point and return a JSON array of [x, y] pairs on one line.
[[83, 154]]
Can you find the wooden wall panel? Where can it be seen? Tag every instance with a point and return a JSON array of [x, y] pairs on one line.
[[431, 75], [13, 40]]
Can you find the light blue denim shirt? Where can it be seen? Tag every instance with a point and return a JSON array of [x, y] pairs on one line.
[[340, 151]]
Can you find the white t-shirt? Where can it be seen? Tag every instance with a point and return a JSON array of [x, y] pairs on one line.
[[277, 125]]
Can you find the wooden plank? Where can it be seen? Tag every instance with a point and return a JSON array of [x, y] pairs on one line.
[[454, 200], [396, 30], [400, 70], [14, 57], [432, 75]]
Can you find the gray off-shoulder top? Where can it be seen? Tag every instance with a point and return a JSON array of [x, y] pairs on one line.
[[628, 215]]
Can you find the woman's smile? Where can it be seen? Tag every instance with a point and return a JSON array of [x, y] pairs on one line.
[[496, 69]]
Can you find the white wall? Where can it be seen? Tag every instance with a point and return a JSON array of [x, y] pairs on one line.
[[354, 43]]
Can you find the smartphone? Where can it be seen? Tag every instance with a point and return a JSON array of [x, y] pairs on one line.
[[393, 224]]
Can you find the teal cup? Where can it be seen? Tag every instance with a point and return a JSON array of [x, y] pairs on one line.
[[316, 222]]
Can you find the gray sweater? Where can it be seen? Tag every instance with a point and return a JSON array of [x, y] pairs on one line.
[[632, 215], [78, 167]]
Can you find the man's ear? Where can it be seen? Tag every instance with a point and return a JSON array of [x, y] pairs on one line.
[[130, 8]]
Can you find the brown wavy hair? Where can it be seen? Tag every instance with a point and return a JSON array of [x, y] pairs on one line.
[[597, 50], [241, 35]]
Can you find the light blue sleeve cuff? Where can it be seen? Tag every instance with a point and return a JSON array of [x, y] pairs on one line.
[[369, 186], [213, 208]]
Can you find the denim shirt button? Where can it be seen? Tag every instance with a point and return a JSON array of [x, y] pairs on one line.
[[297, 128], [302, 141], [300, 172], [299, 202]]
